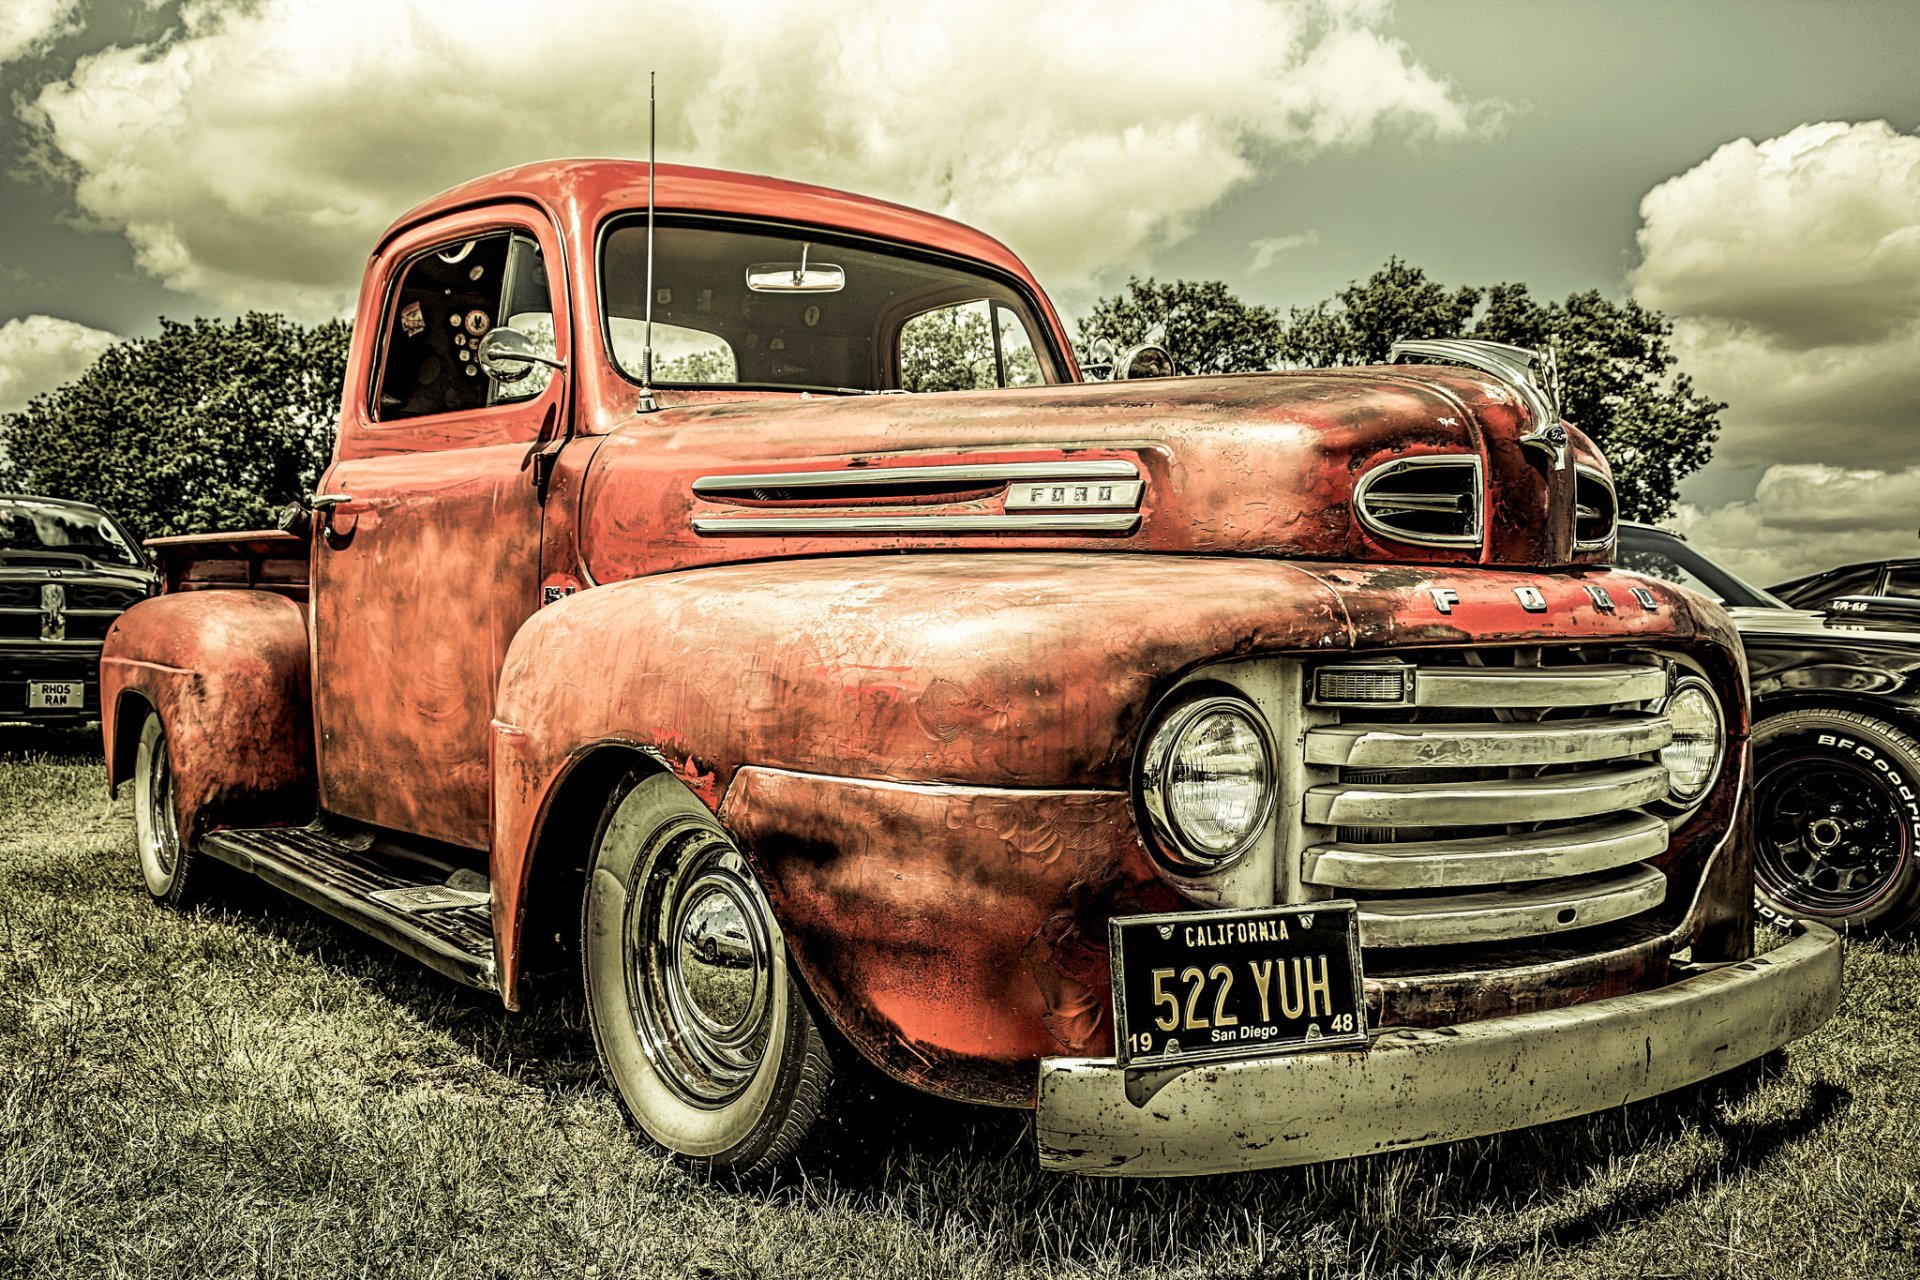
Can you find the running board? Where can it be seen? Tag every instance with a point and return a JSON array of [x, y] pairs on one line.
[[440, 916]]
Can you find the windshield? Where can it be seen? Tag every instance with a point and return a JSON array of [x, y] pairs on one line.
[[1662, 555], [791, 311], [27, 524]]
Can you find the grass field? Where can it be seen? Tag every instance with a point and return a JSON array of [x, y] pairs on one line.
[[253, 1090]]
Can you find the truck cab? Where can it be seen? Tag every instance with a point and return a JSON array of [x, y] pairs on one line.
[[731, 591]]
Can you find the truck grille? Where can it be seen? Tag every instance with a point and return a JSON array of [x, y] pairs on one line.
[[1497, 801]]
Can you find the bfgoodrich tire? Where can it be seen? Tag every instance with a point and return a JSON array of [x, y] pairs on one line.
[[721, 1064], [1837, 820], [174, 874]]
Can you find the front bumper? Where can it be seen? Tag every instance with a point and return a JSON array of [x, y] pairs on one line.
[[1415, 1087]]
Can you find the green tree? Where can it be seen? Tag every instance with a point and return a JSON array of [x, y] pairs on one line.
[[1618, 377], [206, 426], [1360, 323], [1203, 326]]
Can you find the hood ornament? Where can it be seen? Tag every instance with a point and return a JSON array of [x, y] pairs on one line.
[[1533, 374]]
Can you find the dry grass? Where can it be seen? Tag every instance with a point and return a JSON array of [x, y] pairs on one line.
[[252, 1090]]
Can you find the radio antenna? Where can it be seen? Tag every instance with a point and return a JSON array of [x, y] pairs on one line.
[[647, 402]]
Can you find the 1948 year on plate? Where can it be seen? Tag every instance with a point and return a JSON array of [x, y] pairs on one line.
[[1201, 986]]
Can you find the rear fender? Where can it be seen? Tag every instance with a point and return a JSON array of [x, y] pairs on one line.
[[228, 672]]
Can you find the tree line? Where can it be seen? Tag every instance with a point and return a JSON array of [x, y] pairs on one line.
[[217, 424]]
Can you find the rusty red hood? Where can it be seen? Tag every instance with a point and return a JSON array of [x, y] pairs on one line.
[[1249, 464]]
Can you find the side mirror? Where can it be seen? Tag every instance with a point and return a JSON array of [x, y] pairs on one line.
[[508, 355], [1144, 361]]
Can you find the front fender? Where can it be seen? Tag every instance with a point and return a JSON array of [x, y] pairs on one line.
[[228, 672], [956, 731]]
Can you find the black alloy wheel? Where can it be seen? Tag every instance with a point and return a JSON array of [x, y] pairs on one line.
[[1836, 812]]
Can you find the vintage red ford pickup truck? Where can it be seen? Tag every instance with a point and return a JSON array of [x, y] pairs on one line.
[[1239, 771]]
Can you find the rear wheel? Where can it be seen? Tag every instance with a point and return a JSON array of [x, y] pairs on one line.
[[720, 1063], [1836, 812], [173, 874]]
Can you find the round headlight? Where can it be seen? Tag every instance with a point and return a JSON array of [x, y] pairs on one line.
[[1206, 778], [1699, 736]]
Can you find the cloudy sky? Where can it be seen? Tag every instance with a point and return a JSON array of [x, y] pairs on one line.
[[1749, 167]]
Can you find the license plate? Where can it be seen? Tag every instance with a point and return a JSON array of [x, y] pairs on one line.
[[50, 694], [1198, 986]]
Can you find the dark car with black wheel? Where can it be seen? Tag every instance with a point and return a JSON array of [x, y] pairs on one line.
[[1836, 745], [67, 570]]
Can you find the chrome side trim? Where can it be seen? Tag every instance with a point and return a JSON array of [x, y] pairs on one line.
[[1042, 522], [1415, 1087], [1613, 527], [1526, 911], [1483, 860], [1591, 686], [1476, 496], [1520, 742], [1454, 804], [958, 472]]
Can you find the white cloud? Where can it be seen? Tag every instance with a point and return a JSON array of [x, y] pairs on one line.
[[1268, 251], [1791, 269], [25, 24], [253, 158], [1808, 517], [38, 353]]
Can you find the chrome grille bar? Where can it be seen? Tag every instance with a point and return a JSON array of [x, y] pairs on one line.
[[1588, 686], [1500, 914], [1603, 845], [1442, 804], [1379, 746]]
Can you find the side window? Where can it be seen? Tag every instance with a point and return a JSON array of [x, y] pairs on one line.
[[1903, 580], [967, 346], [449, 298]]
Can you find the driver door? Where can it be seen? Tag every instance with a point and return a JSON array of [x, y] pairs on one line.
[[430, 560]]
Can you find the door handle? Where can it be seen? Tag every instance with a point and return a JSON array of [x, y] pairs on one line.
[[323, 505]]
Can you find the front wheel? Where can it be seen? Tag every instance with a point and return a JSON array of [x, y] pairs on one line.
[[1836, 811], [721, 1064], [174, 875]]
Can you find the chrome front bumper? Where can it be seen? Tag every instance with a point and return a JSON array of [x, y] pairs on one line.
[[1412, 1087]]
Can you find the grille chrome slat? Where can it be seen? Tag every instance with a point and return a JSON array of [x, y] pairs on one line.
[[1476, 744], [1586, 794], [1501, 914], [1482, 860], [1490, 687]]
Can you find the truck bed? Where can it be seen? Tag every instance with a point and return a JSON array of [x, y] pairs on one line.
[[260, 559]]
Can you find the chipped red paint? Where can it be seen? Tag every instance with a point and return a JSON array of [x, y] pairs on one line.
[[988, 906], [926, 756]]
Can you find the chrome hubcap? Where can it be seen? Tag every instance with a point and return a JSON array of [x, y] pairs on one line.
[[700, 971], [161, 841]]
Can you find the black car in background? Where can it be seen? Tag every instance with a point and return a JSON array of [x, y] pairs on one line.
[[1836, 760], [67, 570], [1889, 590]]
